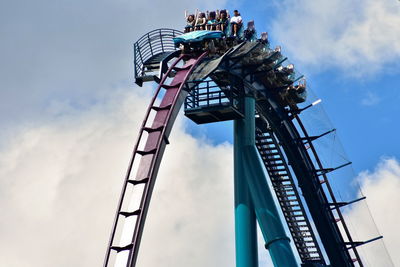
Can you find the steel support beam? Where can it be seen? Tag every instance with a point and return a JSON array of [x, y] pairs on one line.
[[245, 218], [266, 212]]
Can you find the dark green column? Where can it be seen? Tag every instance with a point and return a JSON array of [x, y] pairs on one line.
[[245, 218], [255, 196]]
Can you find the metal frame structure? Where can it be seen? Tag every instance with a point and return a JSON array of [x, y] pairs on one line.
[[151, 52], [243, 85]]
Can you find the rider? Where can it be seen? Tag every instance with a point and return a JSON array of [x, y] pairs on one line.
[[236, 22], [190, 21], [223, 20], [264, 38], [200, 22], [250, 32], [211, 21]]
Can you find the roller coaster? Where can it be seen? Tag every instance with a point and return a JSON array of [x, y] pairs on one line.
[[219, 79]]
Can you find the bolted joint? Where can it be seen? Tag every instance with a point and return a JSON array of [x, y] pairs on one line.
[[268, 244]]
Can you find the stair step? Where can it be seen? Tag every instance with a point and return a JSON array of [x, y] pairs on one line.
[[281, 186], [301, 236], [286, 187], [275, 164], [308, 247], [288, 192], [276, 170], [298, 221], [277, 176], [281, 180], [294, 215], [288, 200], [291, 208], [268, 153], [280, 177], [265, 143]]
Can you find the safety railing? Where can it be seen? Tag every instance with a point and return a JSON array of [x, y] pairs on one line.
[[207, 94], [151, 44]]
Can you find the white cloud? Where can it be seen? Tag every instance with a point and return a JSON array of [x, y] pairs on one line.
[[60, 183], [381, 188], [370, 99], [360, 37]]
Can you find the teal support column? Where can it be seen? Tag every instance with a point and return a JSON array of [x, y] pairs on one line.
[[245, 218], [277, 242]]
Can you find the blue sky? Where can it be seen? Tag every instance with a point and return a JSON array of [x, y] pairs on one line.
[[70, 112]]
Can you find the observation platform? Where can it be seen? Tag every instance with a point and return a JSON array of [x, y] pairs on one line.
[[207, 103]]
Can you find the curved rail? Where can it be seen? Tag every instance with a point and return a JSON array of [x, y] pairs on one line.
[[151, 154]]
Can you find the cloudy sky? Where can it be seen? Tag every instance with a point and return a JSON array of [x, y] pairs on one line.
[[70, 113]]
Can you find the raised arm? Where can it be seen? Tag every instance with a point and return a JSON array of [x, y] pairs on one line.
[[186, 14], [196, 16]]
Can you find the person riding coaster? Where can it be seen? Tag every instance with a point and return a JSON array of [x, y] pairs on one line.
[[250, 33], [201, 22], [295, 94], [190, 22], [285, 74], [236, 22], [212, 21], [223, 20]]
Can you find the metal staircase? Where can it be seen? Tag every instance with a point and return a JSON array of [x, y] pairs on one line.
[[287, 194]]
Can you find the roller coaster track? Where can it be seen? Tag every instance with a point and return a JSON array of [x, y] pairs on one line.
[[280, 144], [151, 153]]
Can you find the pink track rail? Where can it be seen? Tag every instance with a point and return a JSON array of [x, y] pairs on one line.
[[151, 154]]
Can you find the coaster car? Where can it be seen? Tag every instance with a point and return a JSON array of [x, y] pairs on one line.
[[211, 41], [197, 37]]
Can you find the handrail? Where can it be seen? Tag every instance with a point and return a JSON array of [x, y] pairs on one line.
[[151, 44]]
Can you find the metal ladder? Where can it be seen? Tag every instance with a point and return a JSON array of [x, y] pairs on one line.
[[287, 194]]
